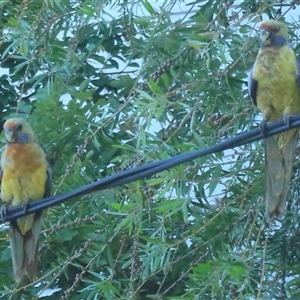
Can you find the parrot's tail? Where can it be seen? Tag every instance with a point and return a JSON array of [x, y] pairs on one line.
[[24, 249], [280, 154]]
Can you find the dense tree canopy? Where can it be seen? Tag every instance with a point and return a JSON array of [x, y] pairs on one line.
[[110, 85]]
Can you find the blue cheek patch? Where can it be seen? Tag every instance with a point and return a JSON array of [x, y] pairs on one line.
[[276, 41], [21, 138]]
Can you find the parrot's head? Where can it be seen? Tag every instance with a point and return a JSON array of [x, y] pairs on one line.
[[273, 34], [18, 131]]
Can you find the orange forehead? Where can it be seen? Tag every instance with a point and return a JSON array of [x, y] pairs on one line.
[[267, 26], [14, 123], [10, 124]]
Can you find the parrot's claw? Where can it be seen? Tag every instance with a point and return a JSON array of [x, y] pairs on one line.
[[262, 127], [3, 211], [25, 206], [287, 120]]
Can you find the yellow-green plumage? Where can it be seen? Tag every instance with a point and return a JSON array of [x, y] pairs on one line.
[[275, 70], [275, 90]]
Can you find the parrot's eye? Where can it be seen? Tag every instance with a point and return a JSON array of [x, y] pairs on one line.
[[276, 28], [19, 127]]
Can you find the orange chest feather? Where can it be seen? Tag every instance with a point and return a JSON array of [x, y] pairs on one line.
[[23, 158]]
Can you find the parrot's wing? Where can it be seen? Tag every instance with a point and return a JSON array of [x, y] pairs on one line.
[[48, 181], [3, 207], [252, 87], [298, 75], [1, 172]]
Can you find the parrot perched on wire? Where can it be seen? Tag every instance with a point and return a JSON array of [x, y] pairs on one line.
[[25, 176], [274, 86]]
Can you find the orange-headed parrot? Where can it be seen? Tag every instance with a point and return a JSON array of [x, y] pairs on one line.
[[25, 176], [274, 86]]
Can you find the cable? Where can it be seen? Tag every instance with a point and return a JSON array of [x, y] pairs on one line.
[[152, 168]]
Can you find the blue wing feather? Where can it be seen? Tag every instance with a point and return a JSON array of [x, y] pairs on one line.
[[252, 87], [298, 75]]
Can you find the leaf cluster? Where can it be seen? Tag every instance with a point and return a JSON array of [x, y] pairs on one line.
[[109, 85]]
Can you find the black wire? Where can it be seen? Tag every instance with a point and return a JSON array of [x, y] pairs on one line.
[[152, 168]]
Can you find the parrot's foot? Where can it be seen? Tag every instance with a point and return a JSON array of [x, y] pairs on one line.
[[25, 206], [287, 120], [262, 127], [3, 211]]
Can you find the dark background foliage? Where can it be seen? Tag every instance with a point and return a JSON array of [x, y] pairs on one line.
[[109, 85]]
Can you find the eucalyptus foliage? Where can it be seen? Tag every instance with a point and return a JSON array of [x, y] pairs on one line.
[[110, 85]]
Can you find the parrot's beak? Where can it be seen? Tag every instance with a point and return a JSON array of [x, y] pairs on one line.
[[265, 36], [9, 135]]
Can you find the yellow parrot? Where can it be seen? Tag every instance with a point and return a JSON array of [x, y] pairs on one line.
[[274, 86], [25, 176]]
